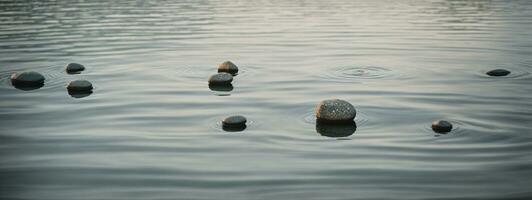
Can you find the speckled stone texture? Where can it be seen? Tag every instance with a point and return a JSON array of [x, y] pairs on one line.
[[335, 111], [221, 78], [228, 67]]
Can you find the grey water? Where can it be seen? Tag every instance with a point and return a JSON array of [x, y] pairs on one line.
[[151, 128]]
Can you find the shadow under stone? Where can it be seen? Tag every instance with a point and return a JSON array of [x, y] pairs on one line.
[[79, 94], [336, 130], [27, 87]]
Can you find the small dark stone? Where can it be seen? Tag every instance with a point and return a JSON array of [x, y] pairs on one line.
[[221, 78], [498, 72], [335, 111], [336, 130], [74, 68], [27, 80], [228, 67], [442, 126], [79, 86], [234, 122]]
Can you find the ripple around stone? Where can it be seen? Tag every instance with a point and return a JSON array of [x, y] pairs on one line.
[[53, 75], [458, 127], [216, 123], [354, 73], [515, 73]]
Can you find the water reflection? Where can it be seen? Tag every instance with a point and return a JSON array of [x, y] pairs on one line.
[[234, 128], [336, 130], [221, 88], [28, 87], [79, 94]]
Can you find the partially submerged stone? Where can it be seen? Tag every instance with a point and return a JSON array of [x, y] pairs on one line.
[[228, 67], [80, 86], [221, 78], [335, 111], [28, 79], [442, 126], [74, 68], [234, 123], [498, 72]]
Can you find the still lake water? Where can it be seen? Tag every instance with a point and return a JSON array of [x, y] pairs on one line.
[[151, 129]]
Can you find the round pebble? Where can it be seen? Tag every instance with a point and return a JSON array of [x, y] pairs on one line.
[[336, 130], [441, 126], [335, 111], [221, 88], [73, 68], [79, 86], [27, 79], [234, 121], [228, 67], [221, 78], [498, 72]]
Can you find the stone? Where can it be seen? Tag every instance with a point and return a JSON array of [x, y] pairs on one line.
[[335, 111], [336, 130], [228, 67], [234, 121], [498, 72], [221, 78], [27, 79], [442, 126], [74, 68], [79, 86]]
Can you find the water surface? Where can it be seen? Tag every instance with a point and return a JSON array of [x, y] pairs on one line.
[[151, 128]]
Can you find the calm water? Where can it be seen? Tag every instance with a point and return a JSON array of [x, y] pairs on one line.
[[151, 129]]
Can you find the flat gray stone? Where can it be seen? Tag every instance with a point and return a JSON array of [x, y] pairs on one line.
[[234, 121], [498, 72], [73, 68], [442, 126], [29, 78], [228, 67], [221, 78], [80, 86], [335, 111]]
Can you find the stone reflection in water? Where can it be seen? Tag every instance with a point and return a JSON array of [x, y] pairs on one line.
[[336, 130], [221, 88], [79, 94], [28, 87]]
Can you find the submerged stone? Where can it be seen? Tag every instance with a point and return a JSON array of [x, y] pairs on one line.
[[74, 68], [498, 72], [27, 79], [221, 78], [336, 130], [442, 126], [335, 111], [228, 67], [79, 86]]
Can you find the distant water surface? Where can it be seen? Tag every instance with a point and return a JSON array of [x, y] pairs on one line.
[[151, 129]]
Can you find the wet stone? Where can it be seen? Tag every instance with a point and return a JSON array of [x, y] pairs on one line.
[[228, 67], [442, 126], [74, 68], [221, 78], [234, 123], [79, 86], [498, 72], [27, 79], [335, 111]]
